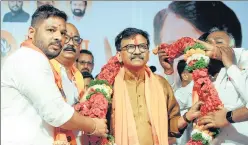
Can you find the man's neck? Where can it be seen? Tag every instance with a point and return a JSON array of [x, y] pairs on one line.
[[16, 13], [77, 18], [185, 83], [136, 74], [65, 62]]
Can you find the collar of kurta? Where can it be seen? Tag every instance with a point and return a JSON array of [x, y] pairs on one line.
[[77, 76]]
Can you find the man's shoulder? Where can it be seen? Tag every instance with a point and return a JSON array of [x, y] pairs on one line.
[[161, 79], [6, 16], [26, 56]]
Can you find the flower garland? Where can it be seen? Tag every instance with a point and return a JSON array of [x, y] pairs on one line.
[[197, 62], [97, 98]]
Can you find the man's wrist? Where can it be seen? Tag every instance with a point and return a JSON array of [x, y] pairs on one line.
[[186, 119], [229, 116]]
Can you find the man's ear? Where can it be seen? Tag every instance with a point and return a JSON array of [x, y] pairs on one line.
[[31, 32], [118, 55], [185, 76]]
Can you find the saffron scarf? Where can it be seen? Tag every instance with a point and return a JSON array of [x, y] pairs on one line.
[[60, 134], [124, 124]]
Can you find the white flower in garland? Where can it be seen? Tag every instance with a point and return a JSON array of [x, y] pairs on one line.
[[198, 56], [107, 89]]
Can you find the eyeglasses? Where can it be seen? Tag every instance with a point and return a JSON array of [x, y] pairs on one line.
[[131, 48], [85, 62], [75, 39]]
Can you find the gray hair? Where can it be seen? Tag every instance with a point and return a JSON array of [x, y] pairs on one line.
[[232, 40]]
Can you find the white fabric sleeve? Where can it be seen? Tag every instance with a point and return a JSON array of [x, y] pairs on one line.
[[35, 80], [239, 78]]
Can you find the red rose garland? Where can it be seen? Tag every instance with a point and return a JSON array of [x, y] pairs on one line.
[[197, 62], [98, 97]]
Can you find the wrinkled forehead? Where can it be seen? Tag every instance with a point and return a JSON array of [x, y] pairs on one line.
[[134, 39], [218, 35]]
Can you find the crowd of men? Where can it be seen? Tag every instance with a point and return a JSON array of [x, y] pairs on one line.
[[52, 73]]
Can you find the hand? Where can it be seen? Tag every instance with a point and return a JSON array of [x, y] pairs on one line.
[[214, 119], [211, 50], [168, 68], [101, 127], [194, 111], [227, 55]]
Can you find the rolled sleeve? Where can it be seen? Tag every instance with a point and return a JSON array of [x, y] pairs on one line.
[[36, 82]]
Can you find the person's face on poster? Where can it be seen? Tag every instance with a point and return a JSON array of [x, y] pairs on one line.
[[175, 27], [78, 8], [41, 3], [15, 6], [134, 52]]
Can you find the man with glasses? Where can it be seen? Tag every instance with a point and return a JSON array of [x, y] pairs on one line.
[[70, 77], [85, 61], [144, 110]]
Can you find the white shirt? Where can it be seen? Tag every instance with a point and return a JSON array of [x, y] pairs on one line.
[[31, 103], [184, 98]]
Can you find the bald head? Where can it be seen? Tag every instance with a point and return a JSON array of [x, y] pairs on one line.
[[71, 30]]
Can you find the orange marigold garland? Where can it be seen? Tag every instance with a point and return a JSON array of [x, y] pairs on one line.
[[197, 62]]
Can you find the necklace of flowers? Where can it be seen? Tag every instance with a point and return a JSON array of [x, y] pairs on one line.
[[97, 98], [197, 63]]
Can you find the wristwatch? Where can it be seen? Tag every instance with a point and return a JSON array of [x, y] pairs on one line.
[[229, 117]]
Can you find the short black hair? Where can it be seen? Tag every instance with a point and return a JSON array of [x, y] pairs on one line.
[[85, 51], [181, 67], [46, 11], [87, 75], [85, 3], [127, 33], [205, 15]]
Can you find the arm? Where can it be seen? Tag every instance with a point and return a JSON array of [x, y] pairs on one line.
[[239, 79], [36, 82], [240, 115], [218, 119], [173, 113]]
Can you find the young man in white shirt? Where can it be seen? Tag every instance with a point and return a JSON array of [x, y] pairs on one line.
[[184, 98], [31, 103]]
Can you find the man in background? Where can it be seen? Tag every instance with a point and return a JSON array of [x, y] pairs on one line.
[[16, 14], [85, 61]]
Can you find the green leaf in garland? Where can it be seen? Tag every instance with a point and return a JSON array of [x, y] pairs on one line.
[[198, 137], [195, 46], [99, 82]]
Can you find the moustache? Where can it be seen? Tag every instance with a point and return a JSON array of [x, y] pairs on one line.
[[85, 70], [137, 56], [69, 48], [57, 43]]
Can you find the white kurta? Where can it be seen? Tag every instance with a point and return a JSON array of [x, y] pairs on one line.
[[71, 93], [31, 103]]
